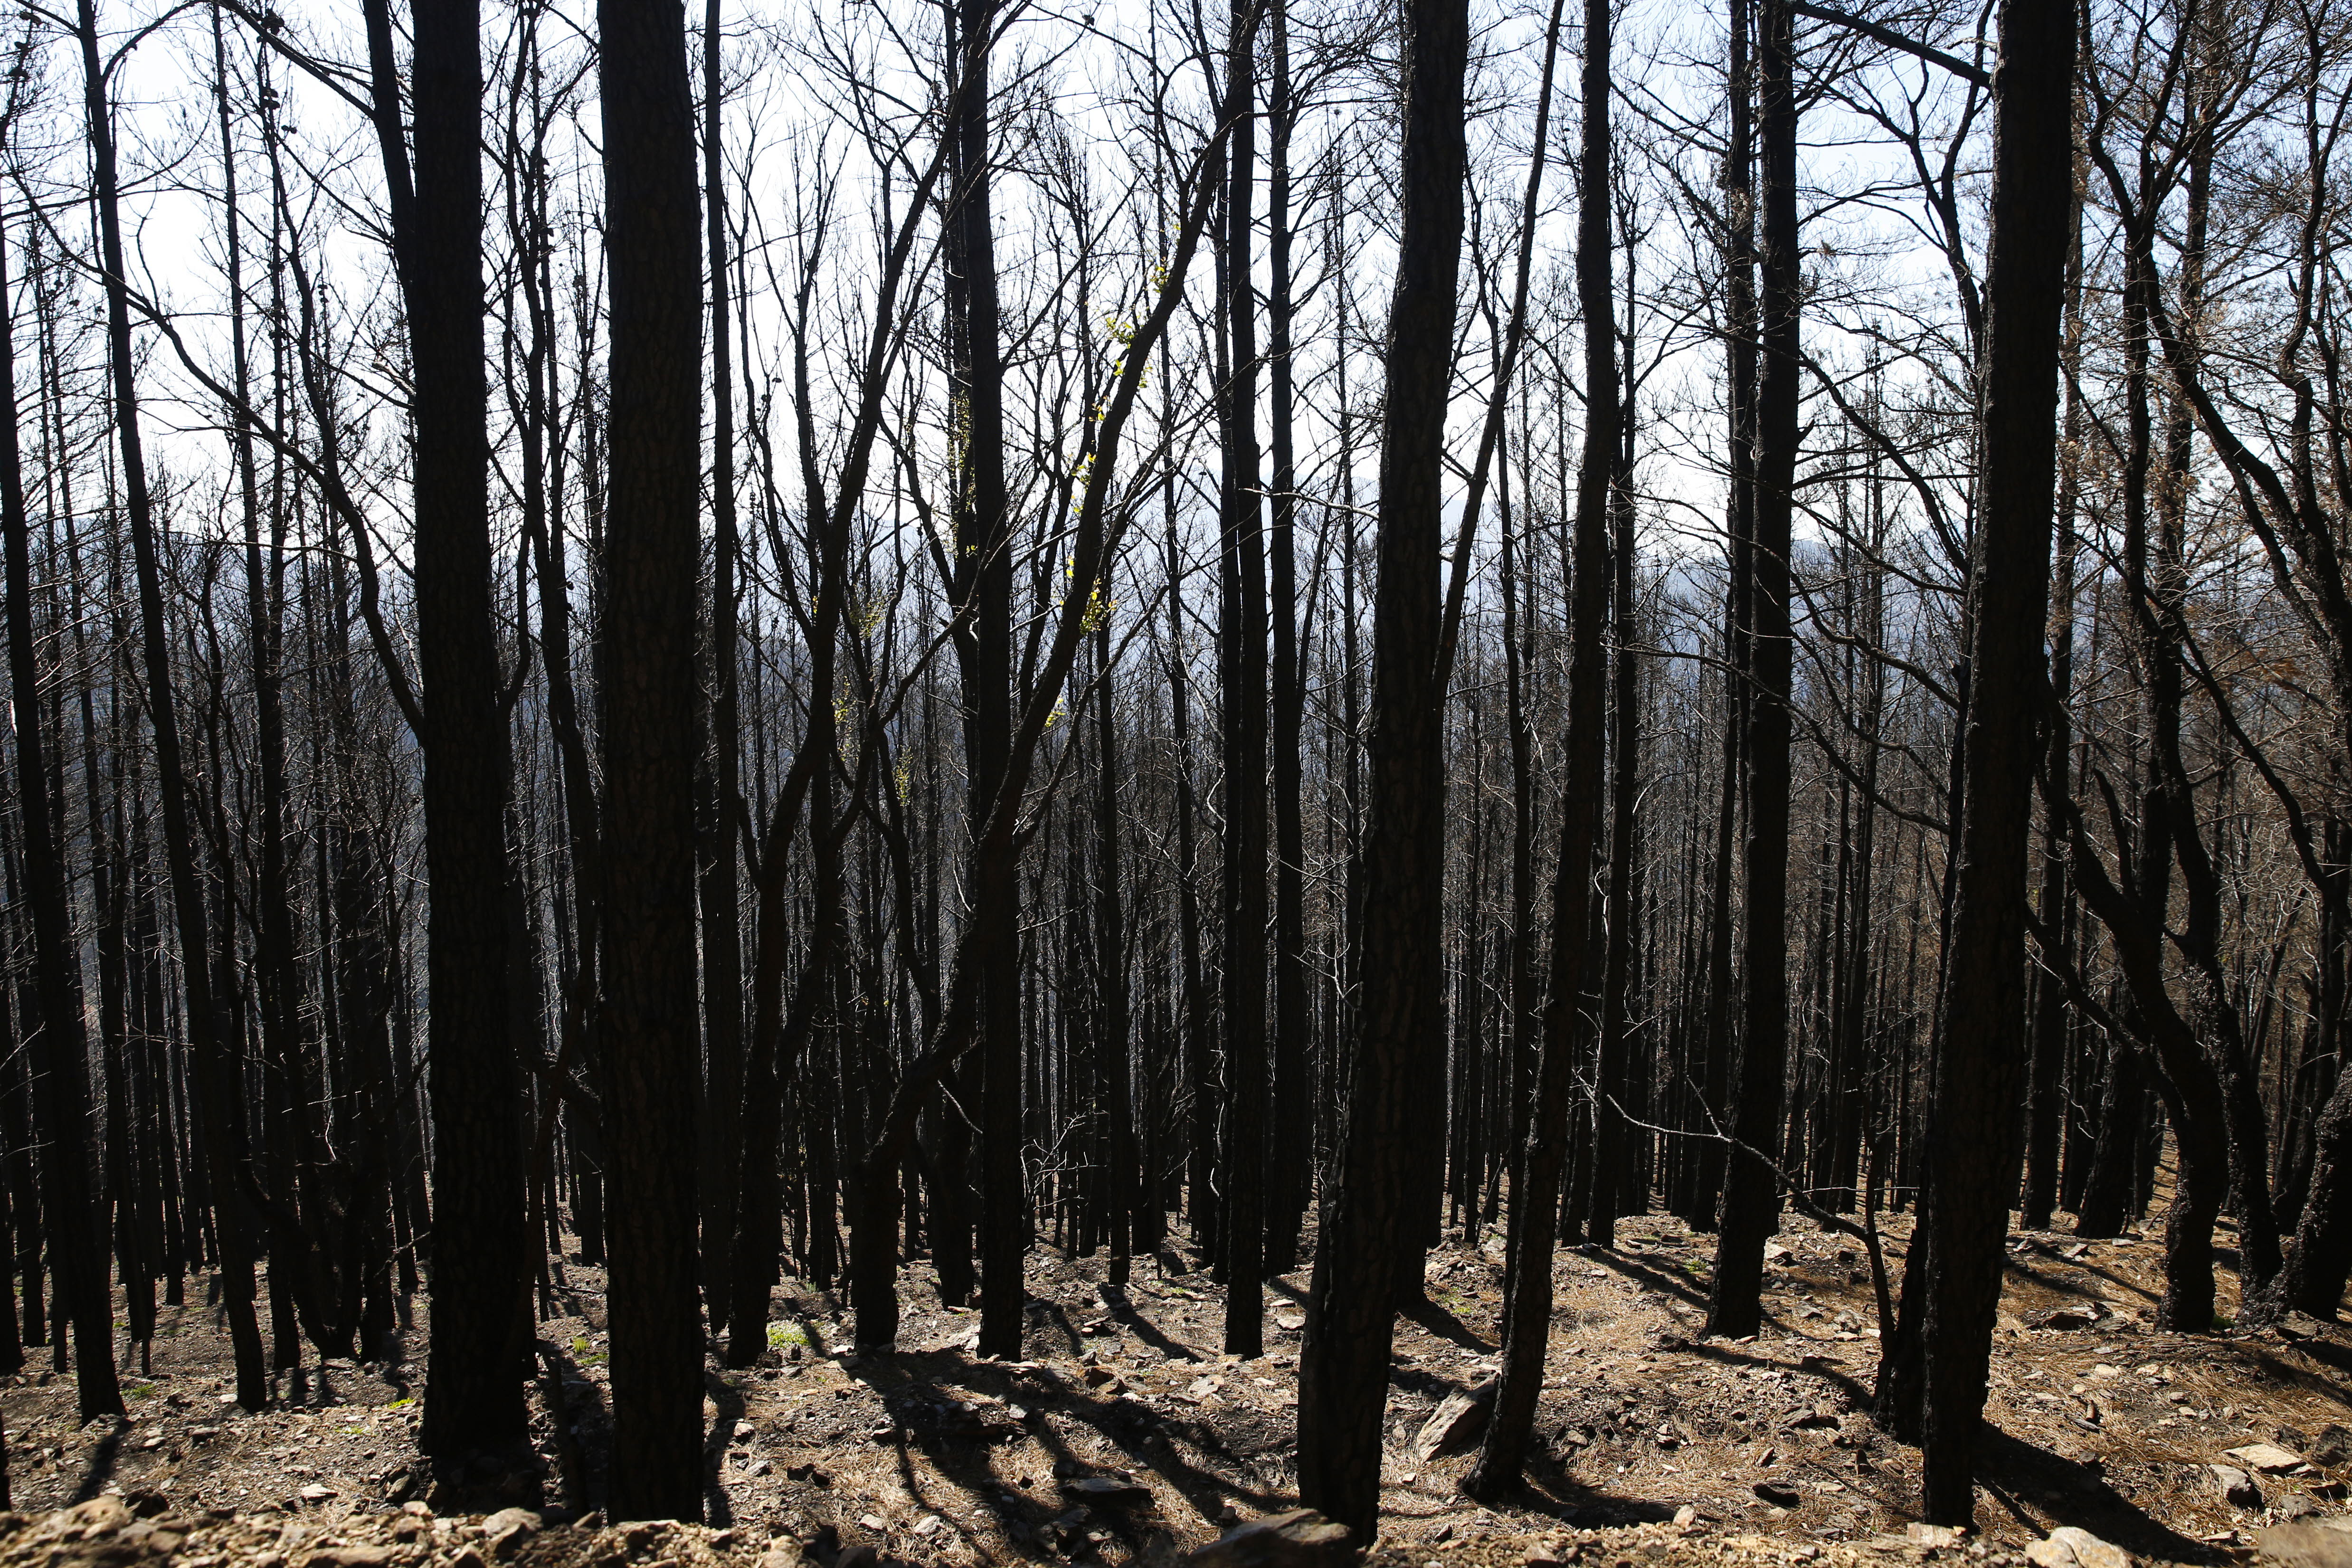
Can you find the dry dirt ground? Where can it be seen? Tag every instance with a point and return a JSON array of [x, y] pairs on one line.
[[1124, 1435]]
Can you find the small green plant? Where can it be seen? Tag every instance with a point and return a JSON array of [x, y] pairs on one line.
[[779, 1335], [579, 1345], [2223, 1322]]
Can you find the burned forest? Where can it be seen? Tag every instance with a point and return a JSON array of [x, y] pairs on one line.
[[899, 782]]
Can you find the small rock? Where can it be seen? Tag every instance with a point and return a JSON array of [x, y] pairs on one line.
[[1299, 1539], [99, 1515], [1686, 1515], [2265, 1459], [2064, 1320], [2071, 1547], [350, 1557], [872, 1521], [2332, 1447], [1106, 1491], [929, 1524], [1456, 1423], [783, 1551], [1290, 1323], [2294, 1505], [2237, 1488], [505, 1532], [1930, 1535], [314, 1493], [2303, 1546]]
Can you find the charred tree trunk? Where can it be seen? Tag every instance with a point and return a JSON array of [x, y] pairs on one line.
[[1242, 668], [1972, 1171], [1751, 1191], [1534, 1193], [473, 1375], [722, 950], [651, 549], [76, 1230], [1343, 1372]]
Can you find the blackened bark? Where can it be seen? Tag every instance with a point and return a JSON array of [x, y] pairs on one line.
[[1343, 1372], [1973, 1151], [1611, 1062], [76, 1230], [1720, 1037], [1534, 1191], [983, 592], [651, 549], [1242, 670], [1292, 1143], [473, 1374], [1751, 1194], [2053, 1030], [722, 952], [1200, 1124], [1112, 1021]]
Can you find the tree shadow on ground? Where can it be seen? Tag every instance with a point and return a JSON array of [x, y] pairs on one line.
[[102, 1463], [2067, 1491], [1124, 1313], [925, 1391]]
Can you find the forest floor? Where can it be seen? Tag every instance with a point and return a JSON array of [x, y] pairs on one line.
[[1125, 1436]]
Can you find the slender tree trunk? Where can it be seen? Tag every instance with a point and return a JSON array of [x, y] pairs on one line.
[[2053, 1022], [984, 569], [1720, 1039], [1291, 1145], [722, 961], [76, 1228], [1612, 1063], [473, 1375], [1112, 1023], [1751, 1191], [1343, 1371], [651, 545], [1242, 668], [1534, 1191], [1973, 1153]]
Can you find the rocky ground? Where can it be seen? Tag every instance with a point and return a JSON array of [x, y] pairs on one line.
[[1125, 1436]]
